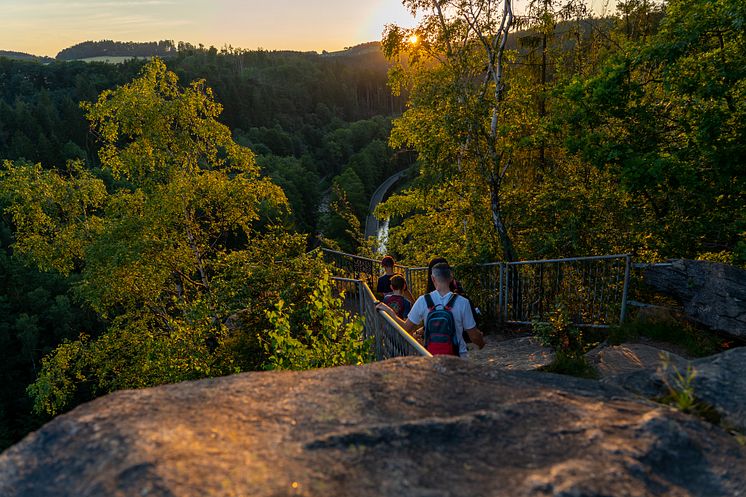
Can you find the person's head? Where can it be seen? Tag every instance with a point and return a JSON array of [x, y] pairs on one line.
[[388, 263], [430, 265], [442, 275], [398, 283]]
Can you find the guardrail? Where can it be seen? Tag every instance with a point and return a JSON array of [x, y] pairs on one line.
[[593, 289], [358, 267], [389, 339]]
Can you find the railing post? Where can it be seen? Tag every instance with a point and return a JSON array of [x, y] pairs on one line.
[[627, 264], [500, 293], [360, 299]]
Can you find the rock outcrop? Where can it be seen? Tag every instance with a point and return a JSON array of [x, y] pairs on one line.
[[711, 293], [614, 360], [719, 381], [404, 427]]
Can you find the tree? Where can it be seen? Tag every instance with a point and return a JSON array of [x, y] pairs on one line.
[[459, 115], [666, 115], [185, 204]]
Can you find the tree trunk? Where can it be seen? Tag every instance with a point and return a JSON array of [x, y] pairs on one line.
[[509, 254]]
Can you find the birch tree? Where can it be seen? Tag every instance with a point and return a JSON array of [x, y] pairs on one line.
[[458, 120]]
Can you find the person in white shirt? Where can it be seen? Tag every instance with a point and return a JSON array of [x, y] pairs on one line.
[[463, 318]]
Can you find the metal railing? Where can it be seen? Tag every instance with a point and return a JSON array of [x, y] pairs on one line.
[[358, 267], [593, 290], [389, 339]]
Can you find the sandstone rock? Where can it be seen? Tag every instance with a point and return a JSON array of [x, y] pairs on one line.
[[711, 293], [719, 381], [405, 427], [628, 358]]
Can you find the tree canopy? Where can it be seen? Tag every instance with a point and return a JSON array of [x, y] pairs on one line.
[[159, 243]]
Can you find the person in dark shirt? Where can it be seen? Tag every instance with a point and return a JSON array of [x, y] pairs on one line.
[[384, 282], [383, 287]]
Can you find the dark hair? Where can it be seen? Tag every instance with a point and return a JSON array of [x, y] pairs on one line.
[[430, 265], [388, 261], [397, 282]]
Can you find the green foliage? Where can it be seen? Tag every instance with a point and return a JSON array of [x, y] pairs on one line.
[[620, 135], [55, 215], [316, 333], [680, 385], [342, 225], [577, 210], [568, 343], [666, 116], [153, 251], [681, 394], [37, 312], [168, 232], [559, 334]]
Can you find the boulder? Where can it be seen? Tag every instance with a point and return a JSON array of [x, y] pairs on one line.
[[711, 293], [405, 427], [719, 381], [614, 360]]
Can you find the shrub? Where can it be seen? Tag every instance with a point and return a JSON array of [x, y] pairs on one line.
[[568, 343], [318, 333]]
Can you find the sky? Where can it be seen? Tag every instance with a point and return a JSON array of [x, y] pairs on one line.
[[44, 27]]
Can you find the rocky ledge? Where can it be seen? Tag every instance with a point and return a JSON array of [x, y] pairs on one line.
[[405, 427]]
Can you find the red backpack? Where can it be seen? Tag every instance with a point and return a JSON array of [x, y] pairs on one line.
[[440, 328], [396, 302]]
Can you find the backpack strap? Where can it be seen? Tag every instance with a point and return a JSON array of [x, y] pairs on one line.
[[429, 302], [451, 301]]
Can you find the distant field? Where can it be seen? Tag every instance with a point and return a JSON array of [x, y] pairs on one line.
[[111, 59]]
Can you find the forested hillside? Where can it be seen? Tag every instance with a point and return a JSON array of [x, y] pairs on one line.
[[89, 49], [311, 121], [307, 116], [159, 232], [23, 56]]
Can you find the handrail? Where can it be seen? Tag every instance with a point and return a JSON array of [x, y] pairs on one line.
[[390, 339], [376, 261], [409, 338], [568, 259]]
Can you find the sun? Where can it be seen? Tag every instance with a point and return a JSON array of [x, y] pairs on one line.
[[413, 39]]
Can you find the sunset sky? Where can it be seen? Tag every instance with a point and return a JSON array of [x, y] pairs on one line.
[[44, 27]]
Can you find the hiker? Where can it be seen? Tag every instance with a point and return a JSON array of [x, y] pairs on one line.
[[383, 287], [384, 281], [396, 300], [438, 304], [455, 287]]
